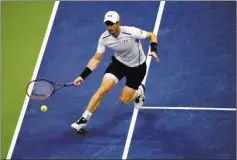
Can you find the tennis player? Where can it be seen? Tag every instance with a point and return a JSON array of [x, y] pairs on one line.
[[129, 61]]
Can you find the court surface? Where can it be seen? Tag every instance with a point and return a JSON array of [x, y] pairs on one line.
[[197, 70]]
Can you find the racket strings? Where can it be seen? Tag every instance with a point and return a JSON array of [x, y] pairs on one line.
[[40, 89]]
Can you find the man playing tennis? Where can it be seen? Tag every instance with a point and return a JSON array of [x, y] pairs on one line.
[[128, 61]]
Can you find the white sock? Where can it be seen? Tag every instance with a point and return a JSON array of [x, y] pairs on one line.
[[87, 115]]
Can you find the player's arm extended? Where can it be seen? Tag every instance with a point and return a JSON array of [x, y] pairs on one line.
[[95, 61], [92, 65]]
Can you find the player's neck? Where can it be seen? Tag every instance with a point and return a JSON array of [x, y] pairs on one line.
[[117, 33]]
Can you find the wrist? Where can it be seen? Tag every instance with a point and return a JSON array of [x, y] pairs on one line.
[[153, 47], [87, 71]]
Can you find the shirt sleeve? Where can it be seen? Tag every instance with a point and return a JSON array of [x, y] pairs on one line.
[[138, 33], [101, 46]]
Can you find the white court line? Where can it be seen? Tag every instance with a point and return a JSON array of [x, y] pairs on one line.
[[35, 73], [190, 108], [148, 61]]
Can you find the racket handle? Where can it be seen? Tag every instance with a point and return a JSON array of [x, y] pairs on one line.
[[69, 84]]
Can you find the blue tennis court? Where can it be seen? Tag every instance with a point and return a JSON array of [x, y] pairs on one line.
[[197, 69]]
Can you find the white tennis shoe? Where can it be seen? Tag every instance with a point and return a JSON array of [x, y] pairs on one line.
[[80, 125], [139, 101]]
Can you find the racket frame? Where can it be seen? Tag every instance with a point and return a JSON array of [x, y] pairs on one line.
[[60, 85]]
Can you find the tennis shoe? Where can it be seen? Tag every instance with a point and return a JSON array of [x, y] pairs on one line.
[[80, 125], [139, 101]]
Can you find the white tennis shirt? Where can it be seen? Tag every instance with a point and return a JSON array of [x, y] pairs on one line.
[[127, 46]]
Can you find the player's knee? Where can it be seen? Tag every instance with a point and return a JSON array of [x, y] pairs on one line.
[[103, 91], [124, 100]]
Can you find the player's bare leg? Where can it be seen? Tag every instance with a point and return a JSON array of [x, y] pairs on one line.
[[129, 95], [107, 84]]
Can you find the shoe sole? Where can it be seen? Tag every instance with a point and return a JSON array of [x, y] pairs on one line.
[[78, 130]]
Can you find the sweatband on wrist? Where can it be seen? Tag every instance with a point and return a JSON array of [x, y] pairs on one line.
[[87, 71], [154, 47]]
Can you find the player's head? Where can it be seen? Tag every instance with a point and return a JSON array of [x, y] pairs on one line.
[[112, 22]]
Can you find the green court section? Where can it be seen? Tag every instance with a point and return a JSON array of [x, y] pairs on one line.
[[23, 28]]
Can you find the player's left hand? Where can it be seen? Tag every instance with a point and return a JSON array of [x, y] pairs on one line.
[[153, 54]]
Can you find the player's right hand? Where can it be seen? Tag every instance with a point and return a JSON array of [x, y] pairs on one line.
[[78, 81]]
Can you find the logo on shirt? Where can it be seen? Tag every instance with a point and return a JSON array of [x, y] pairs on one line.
[[125, 41]]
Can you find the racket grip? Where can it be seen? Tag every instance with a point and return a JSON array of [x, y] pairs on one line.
[[69, 84]]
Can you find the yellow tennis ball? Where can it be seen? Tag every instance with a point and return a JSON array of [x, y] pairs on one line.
[[44, 108]]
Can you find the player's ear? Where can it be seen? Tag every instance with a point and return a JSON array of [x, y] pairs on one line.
[[118, 23]]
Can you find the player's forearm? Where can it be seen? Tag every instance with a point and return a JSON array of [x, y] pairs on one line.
[[153, 38], [93, 64], [153, 41]]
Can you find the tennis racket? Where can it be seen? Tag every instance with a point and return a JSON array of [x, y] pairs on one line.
[[41, 89]]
